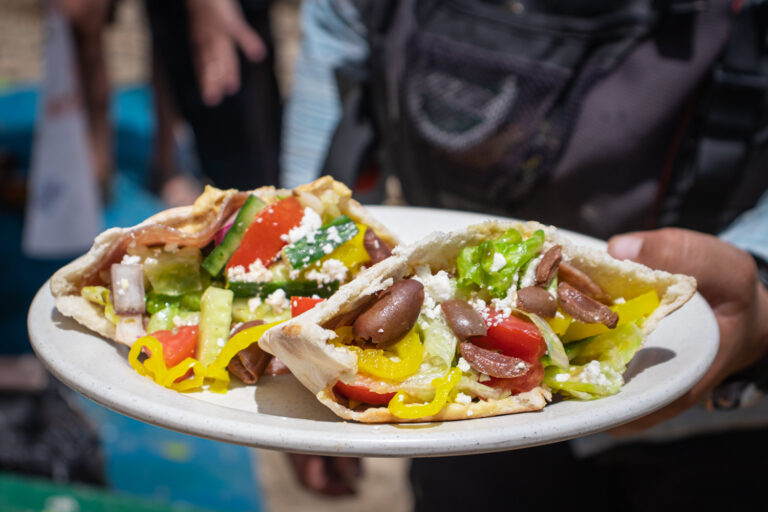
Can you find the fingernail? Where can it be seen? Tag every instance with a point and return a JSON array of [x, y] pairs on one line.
[[626, 247]]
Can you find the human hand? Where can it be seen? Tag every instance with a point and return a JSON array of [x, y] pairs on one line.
[[333, 476], [217, 28], [727, 279]]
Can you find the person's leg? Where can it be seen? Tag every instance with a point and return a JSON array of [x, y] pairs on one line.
[[88, 20], [238, 139]]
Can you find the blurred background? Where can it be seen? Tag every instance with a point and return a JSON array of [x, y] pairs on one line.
[[89, 140]]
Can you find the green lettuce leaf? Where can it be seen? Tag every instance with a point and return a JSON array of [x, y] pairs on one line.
[[477, 264]]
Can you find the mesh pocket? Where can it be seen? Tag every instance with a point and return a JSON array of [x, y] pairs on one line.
[[475, 109]]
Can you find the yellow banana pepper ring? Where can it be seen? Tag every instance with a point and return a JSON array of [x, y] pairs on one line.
[[443, 387], [217, 370], [376, 363], [155, 368], [631, 311]]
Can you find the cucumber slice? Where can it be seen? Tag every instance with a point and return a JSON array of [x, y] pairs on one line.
[[219, 257], [215, 321], [324, 241], [292, 288]]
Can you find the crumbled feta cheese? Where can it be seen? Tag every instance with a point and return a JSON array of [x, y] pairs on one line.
[[529, 278], [221, 342], [483, 378], [177, 321], [593, 374], [130, 259], [333, 235], [463, 398], [619, 300], [331, 270], [124, 285], [463, 365], [562, 377], [172, 248], [257, 273], [254, 303], [498, 262], [310, 223], [278, 300], [327, 248], [507, 304], [438, 286]]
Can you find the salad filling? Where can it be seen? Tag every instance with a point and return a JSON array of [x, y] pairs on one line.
[[483, 323]]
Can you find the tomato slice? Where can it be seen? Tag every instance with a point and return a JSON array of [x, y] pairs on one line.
[[302, 304], [363, 394], [262, 240], [519, 384], [178, 345], [512, 336]]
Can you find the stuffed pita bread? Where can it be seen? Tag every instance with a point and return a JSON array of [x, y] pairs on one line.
[[555, 317], [242, 255]]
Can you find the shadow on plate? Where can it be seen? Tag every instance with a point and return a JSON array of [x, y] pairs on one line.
[[284, 395], [646, 358]]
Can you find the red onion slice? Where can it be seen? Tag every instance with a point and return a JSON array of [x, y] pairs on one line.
[[127, 289]]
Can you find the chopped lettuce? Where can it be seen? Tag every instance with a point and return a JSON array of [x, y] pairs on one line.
[[495, 264], [439, 341], [597, 364]]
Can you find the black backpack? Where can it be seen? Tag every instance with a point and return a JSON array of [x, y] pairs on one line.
[[601, 116]]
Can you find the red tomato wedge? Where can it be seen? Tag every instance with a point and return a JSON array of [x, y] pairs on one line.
[[302, 304], [363, 394], [519, 384], [179, 345], [512, 336], [262, 240]]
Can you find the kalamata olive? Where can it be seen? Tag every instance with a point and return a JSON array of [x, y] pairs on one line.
[[393, 314], [581, 281], [537, 300], [548, 265], [249, 363], [463, 319], [584, 308], [492, 363], [375, 247]]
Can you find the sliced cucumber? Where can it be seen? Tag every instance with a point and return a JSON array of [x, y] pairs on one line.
[[292, 288], [215, 321], [324, 241], [219, 257]]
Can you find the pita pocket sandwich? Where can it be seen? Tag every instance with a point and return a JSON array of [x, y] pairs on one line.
[[485, 321], [188, 281]]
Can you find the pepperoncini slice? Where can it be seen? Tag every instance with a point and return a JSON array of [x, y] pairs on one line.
[[443, 387], [217, 370], [560, 323], [376, 362], [630, 311], [154, 366]]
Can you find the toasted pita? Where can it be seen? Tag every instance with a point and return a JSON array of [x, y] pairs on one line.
[[187, 225], [301, 343]]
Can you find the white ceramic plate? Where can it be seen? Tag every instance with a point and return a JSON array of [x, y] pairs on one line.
[[280, 414]]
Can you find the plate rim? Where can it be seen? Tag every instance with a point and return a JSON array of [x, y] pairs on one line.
[[193, 415]]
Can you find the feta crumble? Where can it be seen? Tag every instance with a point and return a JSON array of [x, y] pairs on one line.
[[529, 278], [256, 273], [331, 270], [498, 262], [254, 303], [278, 300], [130, 259], [463, 398], [310, 223], [463, 365]]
